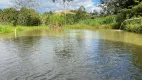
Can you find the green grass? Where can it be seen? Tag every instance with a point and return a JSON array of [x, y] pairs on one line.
[[10, 29], [6, 29], [84, 26], [25, 28]]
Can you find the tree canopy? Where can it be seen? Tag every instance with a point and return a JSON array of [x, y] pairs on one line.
[[115, 6]]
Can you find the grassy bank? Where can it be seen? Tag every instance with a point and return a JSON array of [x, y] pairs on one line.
[[84, 26], [10, 29]]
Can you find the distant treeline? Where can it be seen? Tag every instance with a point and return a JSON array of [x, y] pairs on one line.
[[29, 17]]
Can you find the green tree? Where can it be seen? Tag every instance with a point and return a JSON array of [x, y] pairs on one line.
[[28, 17], [24, 17], [10, 15], [137, 10], [81, 14], [115, 6]]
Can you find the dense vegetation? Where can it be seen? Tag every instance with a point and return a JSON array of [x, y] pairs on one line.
[[127, 12], [24, 17], [112, 16]]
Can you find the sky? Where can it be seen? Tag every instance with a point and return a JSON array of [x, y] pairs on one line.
[[48, 5]]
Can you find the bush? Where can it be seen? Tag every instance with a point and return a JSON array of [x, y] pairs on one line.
[[124, 14], [28, 17], [134, 26], [129, 13]]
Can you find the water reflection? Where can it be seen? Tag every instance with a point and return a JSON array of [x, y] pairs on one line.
[[63, 45], [26, 44], [70, 55]]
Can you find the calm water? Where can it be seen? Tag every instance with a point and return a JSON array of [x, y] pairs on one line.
[[71, 55]]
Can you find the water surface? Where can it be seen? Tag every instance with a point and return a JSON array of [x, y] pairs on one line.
[[71, 55]]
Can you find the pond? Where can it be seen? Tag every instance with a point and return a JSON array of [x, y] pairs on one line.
[[71, 55]]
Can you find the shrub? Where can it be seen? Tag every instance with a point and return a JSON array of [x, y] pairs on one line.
[[129, 13], [134, 26], [28, 17]]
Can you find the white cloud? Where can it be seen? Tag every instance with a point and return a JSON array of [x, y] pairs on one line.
[[47, 5], [5, 4]]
